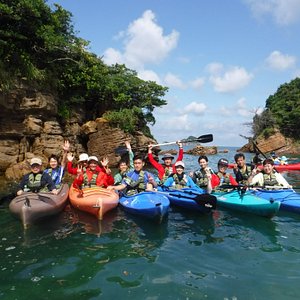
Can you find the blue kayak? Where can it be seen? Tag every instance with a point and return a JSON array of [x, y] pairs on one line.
[[190, 198], [247, 202], [289, 199], [146, 204]]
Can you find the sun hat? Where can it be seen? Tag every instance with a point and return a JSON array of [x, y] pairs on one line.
[[83, 157], [93, 158], [167, 155], [223, 162], [179, 163], [284, 158], [35, 161]]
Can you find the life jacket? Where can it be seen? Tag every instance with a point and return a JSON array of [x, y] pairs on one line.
[[180, 183], [35, 183], [270, 179], [201, 178], [242, 175], [89, 183], [223, 179], [135, 186], [54, 174], [168, 172]]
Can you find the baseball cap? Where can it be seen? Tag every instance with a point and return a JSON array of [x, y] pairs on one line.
[[83, 157], [223, 162], [179, 163], [35, 161], [93, 158], [167, 155]]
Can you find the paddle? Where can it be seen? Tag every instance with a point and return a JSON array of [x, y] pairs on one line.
[[206, 138], [205, 200]]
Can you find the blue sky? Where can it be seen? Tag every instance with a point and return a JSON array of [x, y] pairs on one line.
[[221, 59]]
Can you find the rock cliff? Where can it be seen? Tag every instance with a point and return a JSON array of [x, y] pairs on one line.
[[30, 126]]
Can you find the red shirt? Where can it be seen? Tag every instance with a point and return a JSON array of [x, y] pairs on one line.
[[215, 180], [160, 167], [103, 179]]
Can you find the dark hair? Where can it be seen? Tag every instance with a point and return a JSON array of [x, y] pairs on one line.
[[238, 155], [54, 157], [136, 157], [122, 162], [268, 161], [202, 157]]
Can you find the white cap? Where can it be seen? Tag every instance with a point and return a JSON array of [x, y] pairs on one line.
[[35, 161], [93, 158], [179, 163], [83, 157]]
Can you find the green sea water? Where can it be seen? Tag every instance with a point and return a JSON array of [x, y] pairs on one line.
[[226, 255]]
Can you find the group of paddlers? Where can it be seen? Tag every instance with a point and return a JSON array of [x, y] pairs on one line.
[[131, 177]]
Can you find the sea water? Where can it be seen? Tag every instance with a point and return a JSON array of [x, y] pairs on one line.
[[226, 255]]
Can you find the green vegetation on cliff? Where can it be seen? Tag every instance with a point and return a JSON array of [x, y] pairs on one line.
[[38, 45], [282, 112]]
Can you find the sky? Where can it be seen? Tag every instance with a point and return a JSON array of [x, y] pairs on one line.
[[220, 59]]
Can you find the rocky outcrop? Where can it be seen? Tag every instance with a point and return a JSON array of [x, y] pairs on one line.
[[30, 126], [277, 142], [201, 150]]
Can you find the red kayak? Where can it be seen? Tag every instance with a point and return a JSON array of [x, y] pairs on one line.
[[279, 168]]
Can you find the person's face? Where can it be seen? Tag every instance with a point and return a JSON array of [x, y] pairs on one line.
[[168, 161], [138, 165], [123, 167], [179, 170], [240, 161], [202, 163], [222, 168], [35, 168], [53, 163], [84, 163], [268, 168], [92, 165]]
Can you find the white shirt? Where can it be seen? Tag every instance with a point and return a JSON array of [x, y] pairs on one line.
[[258, 179]]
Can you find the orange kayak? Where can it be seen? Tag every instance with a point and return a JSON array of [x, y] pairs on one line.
[[95, 200]]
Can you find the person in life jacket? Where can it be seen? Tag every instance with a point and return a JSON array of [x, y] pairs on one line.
[[180, 180], [91, 177], [268, 176], [56, 171], [36, 181], [202, 176], [137, 180], [221, 178], [82, 163], [241, 170], [123, 166], [167, 168]]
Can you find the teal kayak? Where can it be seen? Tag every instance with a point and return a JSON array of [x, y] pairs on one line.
[[247, 202]]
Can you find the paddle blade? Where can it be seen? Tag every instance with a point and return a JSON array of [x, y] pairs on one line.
[[206, 138], [206, 200], [121, 150]]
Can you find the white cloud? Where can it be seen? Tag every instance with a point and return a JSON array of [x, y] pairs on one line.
[[226, 111], [197, 83], [195, 108], [242, 108], [285, 12], [149, 75], [144, 42], [172, 80], [214, 68], [234, 79], [278, 61]]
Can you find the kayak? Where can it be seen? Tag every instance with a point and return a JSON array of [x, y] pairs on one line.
[[193, 199], [247, 202], [289, 199], [94, 200], [31, 207], [279, 168], [150, 205]]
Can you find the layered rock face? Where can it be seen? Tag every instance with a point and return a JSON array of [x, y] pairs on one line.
[[30, 126]]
